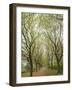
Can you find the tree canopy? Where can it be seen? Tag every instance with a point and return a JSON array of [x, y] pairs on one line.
[[41, 42]]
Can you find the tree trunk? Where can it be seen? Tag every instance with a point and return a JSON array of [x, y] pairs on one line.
[[31, 64], [58, 64], [52, 61], [58, 69]]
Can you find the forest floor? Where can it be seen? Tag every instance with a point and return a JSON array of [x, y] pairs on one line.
[[41, 72]]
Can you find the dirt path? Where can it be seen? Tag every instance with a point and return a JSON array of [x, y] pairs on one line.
[[44, 72]]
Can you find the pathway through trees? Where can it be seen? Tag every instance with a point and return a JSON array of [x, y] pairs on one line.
[[44, 72]]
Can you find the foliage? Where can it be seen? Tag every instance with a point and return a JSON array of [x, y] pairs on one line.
[[42, 42]]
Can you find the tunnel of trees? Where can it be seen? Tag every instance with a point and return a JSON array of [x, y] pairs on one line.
[[41, 44]]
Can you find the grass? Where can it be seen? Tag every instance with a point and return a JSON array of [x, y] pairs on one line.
[[41, 72], [25, 74]]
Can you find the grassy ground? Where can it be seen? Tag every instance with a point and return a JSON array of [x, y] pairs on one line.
[[41, 72]]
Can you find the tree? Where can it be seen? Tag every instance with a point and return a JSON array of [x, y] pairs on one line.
[[42, 35], [28, 37], [53, 26], [55, 36]]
